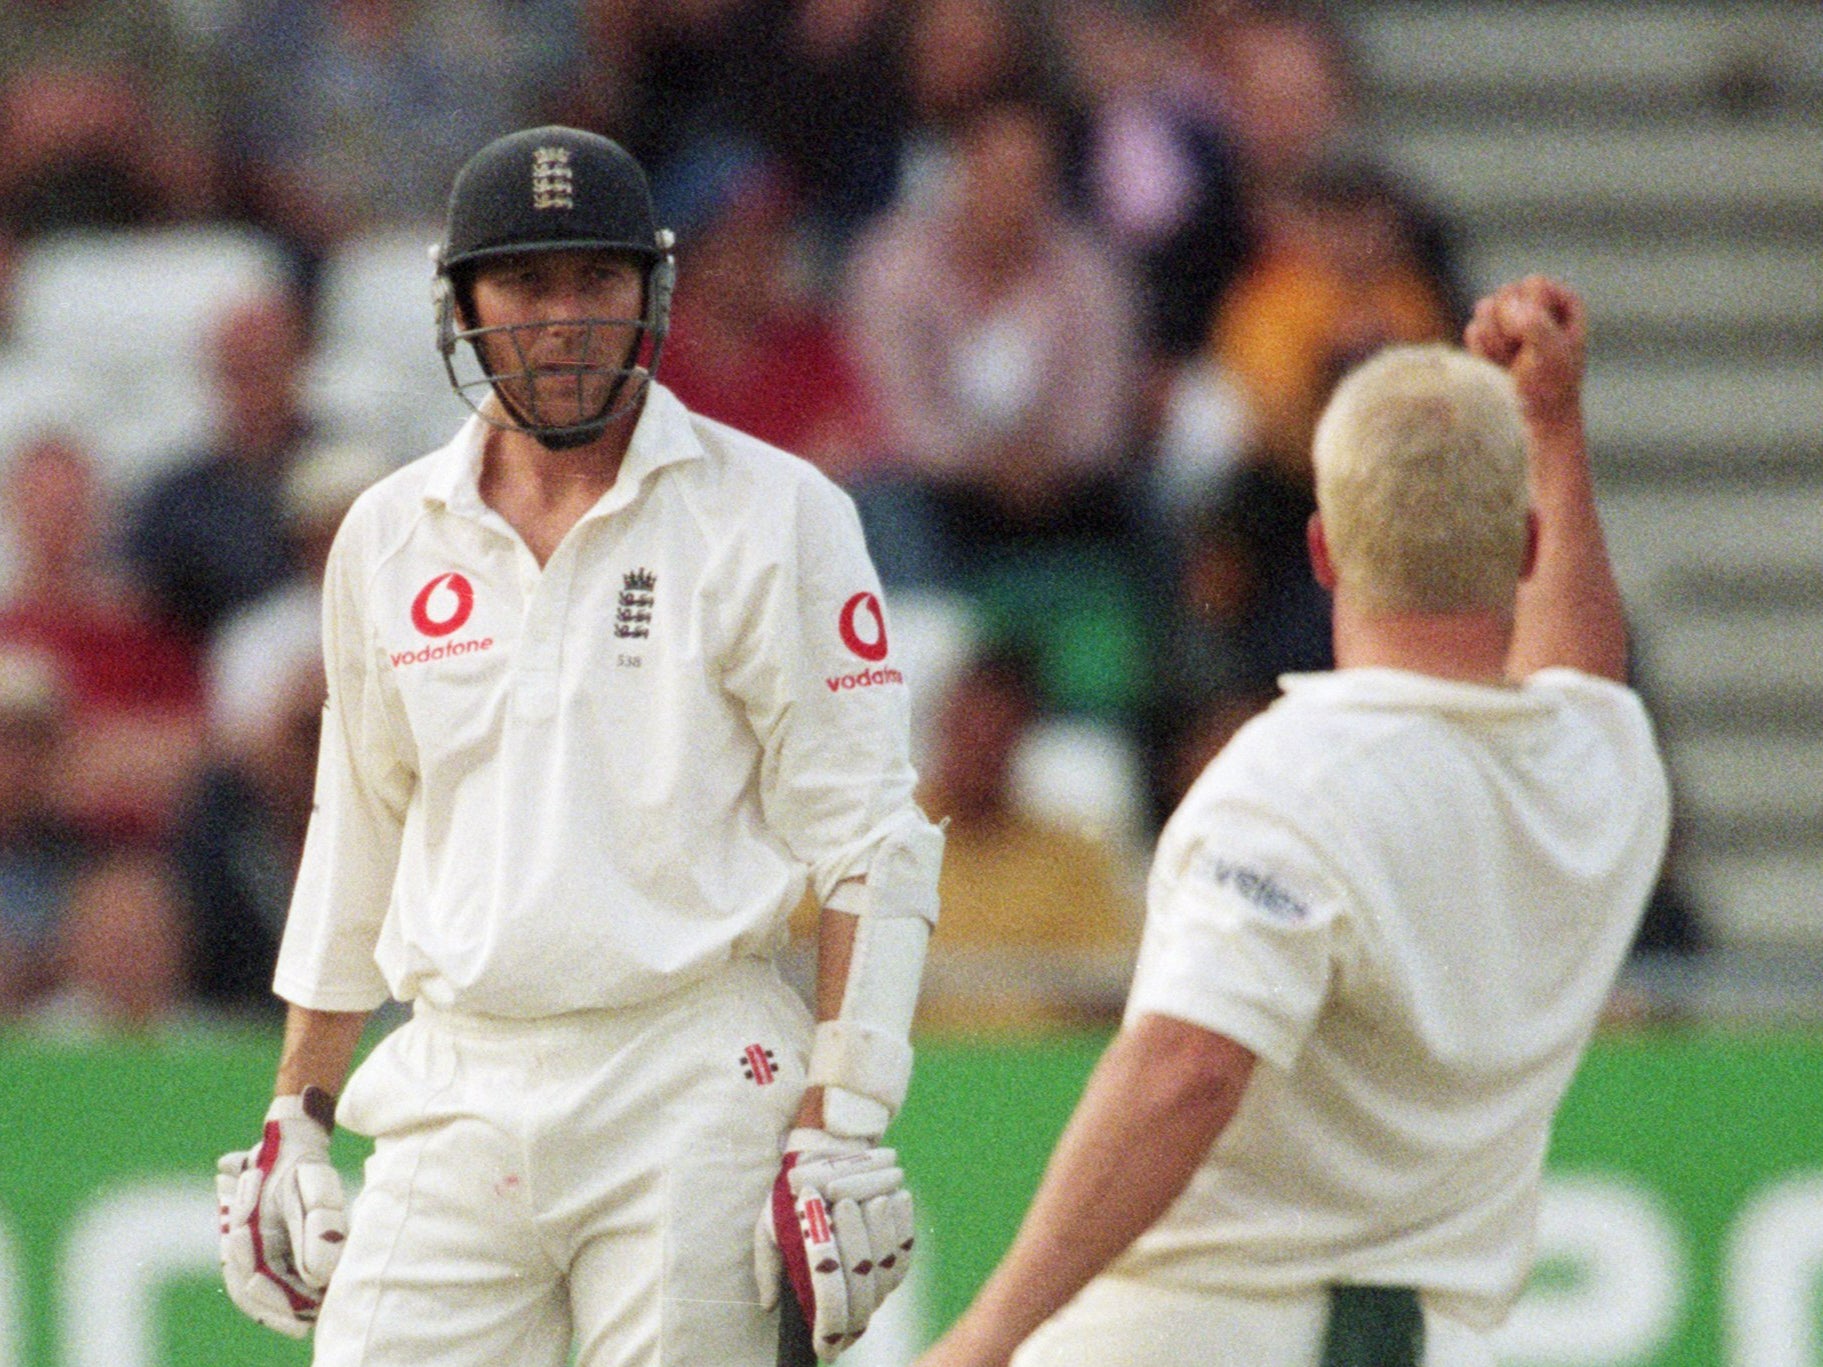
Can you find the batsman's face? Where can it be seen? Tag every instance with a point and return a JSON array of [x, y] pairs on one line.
[[564, 325]]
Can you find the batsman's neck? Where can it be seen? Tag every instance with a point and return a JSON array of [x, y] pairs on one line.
[[516, 461], [1469, 647], [543, 493]]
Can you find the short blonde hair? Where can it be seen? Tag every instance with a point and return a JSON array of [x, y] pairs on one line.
[[1421, 481]]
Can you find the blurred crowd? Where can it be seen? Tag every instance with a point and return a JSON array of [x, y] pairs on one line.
[[1055, 288]]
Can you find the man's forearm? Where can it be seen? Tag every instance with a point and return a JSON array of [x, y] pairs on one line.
[[1569, 611], [319, 1048], [1157, 1100]]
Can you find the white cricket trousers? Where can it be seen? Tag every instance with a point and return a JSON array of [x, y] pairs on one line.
[[593, 1177], [1120, 1322]]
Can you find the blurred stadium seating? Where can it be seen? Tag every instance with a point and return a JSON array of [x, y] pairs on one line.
[[1664, 159], [120, 320], [378, 369]]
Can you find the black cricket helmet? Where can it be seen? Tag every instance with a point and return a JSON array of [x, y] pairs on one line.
[[549, 189]]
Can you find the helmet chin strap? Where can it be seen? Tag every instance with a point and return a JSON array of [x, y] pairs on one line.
[[567, 438]]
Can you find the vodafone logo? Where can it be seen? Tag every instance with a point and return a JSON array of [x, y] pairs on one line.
[[443, 605], [441, 608], [870, 646], [865, 678]]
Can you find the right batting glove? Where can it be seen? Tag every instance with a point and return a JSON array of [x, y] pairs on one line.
[[283, 1220], [838, 1230]]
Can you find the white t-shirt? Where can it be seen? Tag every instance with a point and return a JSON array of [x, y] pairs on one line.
[[1409, 898], [574, 787]]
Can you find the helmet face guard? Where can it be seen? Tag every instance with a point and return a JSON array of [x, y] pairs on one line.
[[551, 189], [561, 406]]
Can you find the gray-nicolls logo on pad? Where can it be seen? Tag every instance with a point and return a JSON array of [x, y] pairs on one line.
[[553, 186], [633, 616]]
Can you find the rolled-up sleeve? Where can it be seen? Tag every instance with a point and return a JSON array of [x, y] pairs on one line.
[[1241, 936], [365, 776], [816, 671]]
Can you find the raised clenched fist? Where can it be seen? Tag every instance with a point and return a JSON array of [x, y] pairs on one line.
[[1534, 329]]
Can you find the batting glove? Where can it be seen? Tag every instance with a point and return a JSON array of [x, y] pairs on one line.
[[839, 1227], [283, 1220]]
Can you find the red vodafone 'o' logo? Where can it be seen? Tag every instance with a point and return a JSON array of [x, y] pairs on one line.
[[458, 588], [853, 608]]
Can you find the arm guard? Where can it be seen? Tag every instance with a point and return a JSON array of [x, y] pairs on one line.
[[862, 1059]]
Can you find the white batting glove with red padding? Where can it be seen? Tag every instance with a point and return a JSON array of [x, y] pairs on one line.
[[283, 1220], [838, 1229]]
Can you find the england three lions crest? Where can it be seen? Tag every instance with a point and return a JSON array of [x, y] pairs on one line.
[[633, 614], [553, 182]]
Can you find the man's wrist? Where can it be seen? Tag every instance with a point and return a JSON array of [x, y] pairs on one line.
[[1555, 446], [1557, 420], [319, 1105]]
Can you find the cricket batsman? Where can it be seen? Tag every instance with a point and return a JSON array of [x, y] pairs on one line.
[[609, 684]]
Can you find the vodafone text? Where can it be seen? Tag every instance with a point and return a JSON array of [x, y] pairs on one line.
[[425, 654], [866, 678]]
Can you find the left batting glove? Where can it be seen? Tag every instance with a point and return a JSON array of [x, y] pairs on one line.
[[839, 1228], [283, 1220]]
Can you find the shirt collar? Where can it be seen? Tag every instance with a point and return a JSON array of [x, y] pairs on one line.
[[663, 436], [1379, 687], [455, 469]]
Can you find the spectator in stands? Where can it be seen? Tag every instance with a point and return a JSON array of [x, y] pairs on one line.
[[241, 840], [1245, 610], [348, 115], [1287, 88], [1255, 528], [238, 845], [41, 853], [834, 109], [1290, 92], [210, 536], [856, 98], [960, 58], [1160, 169], [673, 83], [135, 698], [319, 489], [104, 117], [120, 953], [88, 928], [1338, 276], [752, 345], [1039, 921], [1204, 651], [998, 336], [1190, 741]]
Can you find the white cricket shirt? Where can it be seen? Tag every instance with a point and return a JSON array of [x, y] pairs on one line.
[[572, 787], [1409, 897]]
